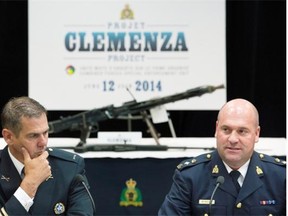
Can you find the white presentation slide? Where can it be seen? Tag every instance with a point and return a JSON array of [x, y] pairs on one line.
[[86, 54]]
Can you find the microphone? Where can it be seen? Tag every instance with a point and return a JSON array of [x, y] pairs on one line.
[[220, 180], [80, 178]]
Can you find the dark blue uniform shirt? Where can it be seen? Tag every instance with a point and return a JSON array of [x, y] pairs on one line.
[[263, 191], [61, 194]]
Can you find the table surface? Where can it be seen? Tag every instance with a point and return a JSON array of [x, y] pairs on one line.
[[270, 146]]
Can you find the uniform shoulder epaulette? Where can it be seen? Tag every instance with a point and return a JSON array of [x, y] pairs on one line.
[[64, 155], [270, 159], [194, 161]]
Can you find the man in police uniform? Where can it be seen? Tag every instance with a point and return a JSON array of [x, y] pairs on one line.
[[262, 178], [34, 179]]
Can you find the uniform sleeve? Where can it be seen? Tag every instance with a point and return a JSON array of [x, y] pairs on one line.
[[12, 207], [178, 200]]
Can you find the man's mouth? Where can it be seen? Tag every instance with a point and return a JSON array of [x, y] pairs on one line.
[[233, 149]]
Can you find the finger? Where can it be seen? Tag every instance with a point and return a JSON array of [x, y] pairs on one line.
[[26, 155], [44, 155]]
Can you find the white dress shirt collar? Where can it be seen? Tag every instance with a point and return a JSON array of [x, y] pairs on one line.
[[243, 170], [19, 166]]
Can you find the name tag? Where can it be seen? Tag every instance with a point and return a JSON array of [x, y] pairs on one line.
[[206, 202]]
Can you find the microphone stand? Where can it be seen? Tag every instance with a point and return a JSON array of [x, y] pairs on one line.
[[220, 180]]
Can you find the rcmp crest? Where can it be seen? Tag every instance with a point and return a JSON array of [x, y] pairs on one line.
[[131, 195]]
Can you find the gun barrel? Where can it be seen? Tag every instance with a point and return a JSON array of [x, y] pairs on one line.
[[145, 105], [84, 121]]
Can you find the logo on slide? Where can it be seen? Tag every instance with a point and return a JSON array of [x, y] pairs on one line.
[[70, 70], [127, 13]]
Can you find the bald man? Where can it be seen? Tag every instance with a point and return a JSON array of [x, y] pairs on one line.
[[259, 187]]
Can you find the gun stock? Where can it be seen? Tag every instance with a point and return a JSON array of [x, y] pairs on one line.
[[87, 121]]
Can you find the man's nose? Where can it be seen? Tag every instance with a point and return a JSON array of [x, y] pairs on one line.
[[233, 138], [42, 140]]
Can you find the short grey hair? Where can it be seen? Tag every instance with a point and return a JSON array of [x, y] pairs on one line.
[[18, 107]]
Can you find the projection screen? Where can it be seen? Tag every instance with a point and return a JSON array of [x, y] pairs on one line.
[[85, 54]]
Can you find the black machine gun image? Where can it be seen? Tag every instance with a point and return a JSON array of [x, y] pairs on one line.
[[87, 121]]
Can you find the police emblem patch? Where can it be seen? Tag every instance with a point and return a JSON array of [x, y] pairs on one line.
[[131, 195], [59, 208]]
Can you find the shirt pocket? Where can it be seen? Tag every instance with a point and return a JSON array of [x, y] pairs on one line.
[[266, 210], [215, 210]]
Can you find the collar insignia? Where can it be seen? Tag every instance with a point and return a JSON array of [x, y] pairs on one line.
[[215, 169], [259, 170], [49, 177], [5, 178]]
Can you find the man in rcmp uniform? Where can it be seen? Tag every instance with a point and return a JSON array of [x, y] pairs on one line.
[[34, 179], [262, 179]]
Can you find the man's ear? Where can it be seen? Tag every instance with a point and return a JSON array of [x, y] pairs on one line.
[[7, 135], [257, 134]]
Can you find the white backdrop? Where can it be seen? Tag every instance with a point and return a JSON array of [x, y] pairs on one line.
[[85, 54]]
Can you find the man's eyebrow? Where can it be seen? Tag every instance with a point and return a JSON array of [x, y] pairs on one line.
[[243, 128]]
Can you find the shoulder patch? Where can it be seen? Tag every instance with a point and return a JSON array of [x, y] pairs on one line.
[[194, 161], [270, 159], [62, 154]]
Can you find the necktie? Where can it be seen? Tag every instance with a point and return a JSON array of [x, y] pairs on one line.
[[235, 175]]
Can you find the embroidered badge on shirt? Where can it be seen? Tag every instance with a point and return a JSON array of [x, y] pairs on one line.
[[59, 208]]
